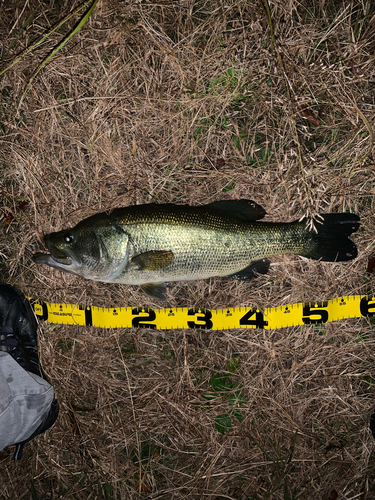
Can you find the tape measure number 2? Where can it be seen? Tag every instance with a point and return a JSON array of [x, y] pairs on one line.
[[308, 313]]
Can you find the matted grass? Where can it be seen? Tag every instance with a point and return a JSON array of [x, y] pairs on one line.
[[188, 102]]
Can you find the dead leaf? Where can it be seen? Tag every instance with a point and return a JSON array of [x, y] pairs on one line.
[[220, 162], [308, 113], [8, 216]]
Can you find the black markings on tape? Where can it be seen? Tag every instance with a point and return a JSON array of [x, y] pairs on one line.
[[36, 305], [203, 316], [367, 306], [253, 317], [88, 316], [143, 316], [314, 314]]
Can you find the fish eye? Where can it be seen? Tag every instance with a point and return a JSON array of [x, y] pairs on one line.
[[68, 238]]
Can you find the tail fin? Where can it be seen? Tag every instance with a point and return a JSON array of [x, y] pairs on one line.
[[331, 242]]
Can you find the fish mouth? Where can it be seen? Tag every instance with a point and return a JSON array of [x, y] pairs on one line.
[[48, 259]]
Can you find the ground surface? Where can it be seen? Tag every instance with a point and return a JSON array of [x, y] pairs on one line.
[[191, 102]]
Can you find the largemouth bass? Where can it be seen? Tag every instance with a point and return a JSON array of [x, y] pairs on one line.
[[149, 245]]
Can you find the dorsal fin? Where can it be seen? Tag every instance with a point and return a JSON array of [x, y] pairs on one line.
[[242, 209]]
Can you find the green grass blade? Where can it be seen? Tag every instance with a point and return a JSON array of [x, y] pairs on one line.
[[267, 9], [44, 37], [59, 47], [28, 21]]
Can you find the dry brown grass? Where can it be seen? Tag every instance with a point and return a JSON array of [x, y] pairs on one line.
[[139, 107]]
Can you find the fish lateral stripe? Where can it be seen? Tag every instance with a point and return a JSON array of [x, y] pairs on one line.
[[301, 313]]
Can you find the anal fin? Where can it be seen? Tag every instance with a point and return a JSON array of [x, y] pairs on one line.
[[257, 267]]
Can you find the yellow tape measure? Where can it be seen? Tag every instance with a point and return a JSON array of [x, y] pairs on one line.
[[302, 313]]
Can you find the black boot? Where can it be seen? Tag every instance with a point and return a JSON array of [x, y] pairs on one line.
[[18, 337]]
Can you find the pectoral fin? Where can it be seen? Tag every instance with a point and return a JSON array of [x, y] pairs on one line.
[[257, 267], [153, 260], [156, 291]]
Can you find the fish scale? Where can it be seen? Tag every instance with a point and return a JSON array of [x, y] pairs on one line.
[[201, 251]]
